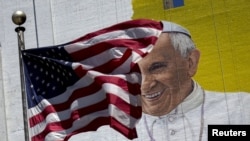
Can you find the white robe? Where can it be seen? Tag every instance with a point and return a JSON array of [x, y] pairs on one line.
[[186, 122]]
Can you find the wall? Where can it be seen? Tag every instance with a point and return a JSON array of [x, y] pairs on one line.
[[2, 103]]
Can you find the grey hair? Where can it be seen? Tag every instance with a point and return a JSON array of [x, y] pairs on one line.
[[182, 43]]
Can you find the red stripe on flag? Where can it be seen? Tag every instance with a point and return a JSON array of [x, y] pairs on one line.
[[79, 93], [113, 64], [127, 132], [125, 85], [66, 124], [92, 126], [134, 44], [124, 106], [80, 71], [123, 26]]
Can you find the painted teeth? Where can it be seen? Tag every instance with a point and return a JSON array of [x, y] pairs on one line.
[[153, 95]]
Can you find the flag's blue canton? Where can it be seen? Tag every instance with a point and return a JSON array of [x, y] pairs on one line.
[[48, 73]]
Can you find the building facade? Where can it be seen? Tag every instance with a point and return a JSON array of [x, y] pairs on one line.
[[219, 28]]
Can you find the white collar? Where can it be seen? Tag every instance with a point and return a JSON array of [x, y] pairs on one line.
[[193, 100]]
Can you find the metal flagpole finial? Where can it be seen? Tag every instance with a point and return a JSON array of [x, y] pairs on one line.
[[19, 17]]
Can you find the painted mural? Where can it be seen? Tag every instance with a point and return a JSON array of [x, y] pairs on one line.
[[220, 30]]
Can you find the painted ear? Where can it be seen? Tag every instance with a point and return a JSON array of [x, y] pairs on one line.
[[194, 58]]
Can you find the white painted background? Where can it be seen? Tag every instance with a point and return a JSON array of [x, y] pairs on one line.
[[58, 21]]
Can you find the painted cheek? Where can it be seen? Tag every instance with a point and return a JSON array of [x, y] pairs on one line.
[[169, 81]]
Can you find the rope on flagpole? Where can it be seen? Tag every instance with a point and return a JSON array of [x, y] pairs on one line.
[[18, 18]]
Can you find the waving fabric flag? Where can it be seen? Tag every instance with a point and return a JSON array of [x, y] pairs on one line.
[[87, 83]]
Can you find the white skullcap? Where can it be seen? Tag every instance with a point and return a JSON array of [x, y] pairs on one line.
[[173, 27]]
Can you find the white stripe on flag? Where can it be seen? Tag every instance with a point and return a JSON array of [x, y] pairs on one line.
[[118, 34]]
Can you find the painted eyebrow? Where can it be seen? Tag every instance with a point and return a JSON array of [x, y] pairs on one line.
[[156, 65]]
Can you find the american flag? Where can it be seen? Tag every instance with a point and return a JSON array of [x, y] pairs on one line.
[[87, 83]]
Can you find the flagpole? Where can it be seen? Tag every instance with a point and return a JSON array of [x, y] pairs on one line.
[[19, 18]]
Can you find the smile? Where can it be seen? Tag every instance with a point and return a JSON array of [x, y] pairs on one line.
[[153, 96]]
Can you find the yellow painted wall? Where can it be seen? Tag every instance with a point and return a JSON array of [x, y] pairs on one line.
[[220, 29]]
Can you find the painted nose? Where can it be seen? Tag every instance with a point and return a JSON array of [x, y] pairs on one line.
[[148, 83]]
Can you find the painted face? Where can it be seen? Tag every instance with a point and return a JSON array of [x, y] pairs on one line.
[[166, 78]]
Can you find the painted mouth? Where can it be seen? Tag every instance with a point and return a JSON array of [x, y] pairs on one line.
[[153, 96]]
